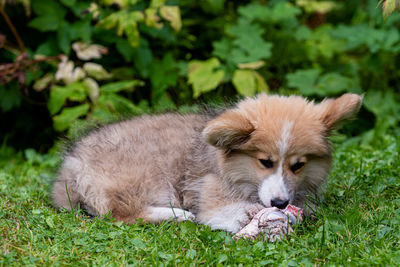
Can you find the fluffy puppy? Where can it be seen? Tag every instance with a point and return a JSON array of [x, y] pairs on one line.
[[266, 151]]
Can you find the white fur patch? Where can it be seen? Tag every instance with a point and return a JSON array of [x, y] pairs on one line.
[[283, 143], [273, 186], [233, 217], [158, 214]]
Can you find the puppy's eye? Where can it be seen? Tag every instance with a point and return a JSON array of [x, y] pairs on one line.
[[267, 163], [297, 166]]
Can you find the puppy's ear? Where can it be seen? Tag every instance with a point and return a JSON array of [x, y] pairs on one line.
[[229, 130], [335, 111]]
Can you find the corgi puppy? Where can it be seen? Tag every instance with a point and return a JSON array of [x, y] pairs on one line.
[[219, 171]]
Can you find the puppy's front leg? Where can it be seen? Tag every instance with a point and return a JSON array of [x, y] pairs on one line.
[[231, 217], [221, 208]]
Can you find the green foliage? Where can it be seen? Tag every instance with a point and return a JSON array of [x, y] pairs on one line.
[[126, 23], [10, 97], [127, 57], [389, 6], [203, 76], [69, 115], [145, 56], [310, 82], [248, 82]]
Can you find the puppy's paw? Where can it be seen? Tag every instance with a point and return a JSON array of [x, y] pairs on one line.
[[183, 215], [233, 217], [159, 214]]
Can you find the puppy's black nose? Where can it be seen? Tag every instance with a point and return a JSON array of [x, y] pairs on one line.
[[279, 203]]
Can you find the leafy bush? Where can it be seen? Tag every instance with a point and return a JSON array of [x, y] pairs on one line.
[[94, 60]]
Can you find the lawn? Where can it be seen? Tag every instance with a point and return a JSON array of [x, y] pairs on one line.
[[357, 223]]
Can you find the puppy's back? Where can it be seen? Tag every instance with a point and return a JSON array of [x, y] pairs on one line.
[[127, 165]]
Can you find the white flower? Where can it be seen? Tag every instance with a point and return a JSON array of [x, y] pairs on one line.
[[87, 52], [92, 89], [67, 73], [96, 71]]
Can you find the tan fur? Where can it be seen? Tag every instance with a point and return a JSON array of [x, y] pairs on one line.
[[202, 165]]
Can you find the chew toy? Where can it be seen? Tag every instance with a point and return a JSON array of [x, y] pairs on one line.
[[272, 222]]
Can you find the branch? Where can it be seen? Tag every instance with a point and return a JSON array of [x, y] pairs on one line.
[[13, 30]]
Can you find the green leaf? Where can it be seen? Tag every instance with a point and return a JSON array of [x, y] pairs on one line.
[[244, 28], [391, 40], [118, 104], [119, 86], [45, 23], [50, 14], [112, 20], [48, 48], [303, 80], [255, 11], [173, 15], [143, 58], [156, 3], [248, 82], [308, 82], [250, 46], [81, 30], [222, 48], [303, 33], [381, 103], [212, 6], [388, 7], [45, 7], [76, 91], [312, 6], [10, 97], [163, 103], [203, 75], [332, 83], [152, 19], [69, 115], [125, 49], [284, 11], [126, 23], [244, 82], [68, 3], [385, 107], [32, 156], [261, 84], [356, 36], [163, 74], [252, 49], [132, 33], [58, 95], [64, 37], [123, 73], [120, 3], [103, 114]]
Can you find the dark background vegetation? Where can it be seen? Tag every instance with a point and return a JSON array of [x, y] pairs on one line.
[[159, 55], [74, 63]]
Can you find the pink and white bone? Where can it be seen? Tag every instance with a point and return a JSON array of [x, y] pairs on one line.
[[272, 222]]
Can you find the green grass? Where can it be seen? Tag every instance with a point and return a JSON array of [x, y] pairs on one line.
[[358, 223]]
